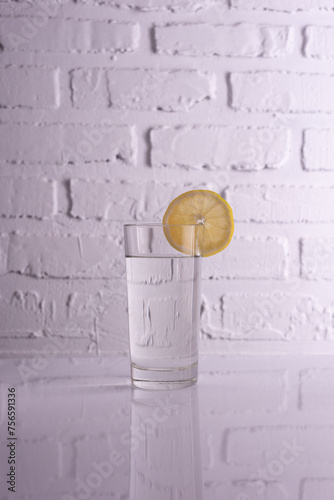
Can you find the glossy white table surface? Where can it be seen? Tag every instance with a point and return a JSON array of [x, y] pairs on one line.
[[253, 427]]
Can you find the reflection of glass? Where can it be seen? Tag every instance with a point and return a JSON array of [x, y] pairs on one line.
[[164, 304], [165, 448]]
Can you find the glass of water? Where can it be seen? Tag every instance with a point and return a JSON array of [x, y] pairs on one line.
[[163, 286]]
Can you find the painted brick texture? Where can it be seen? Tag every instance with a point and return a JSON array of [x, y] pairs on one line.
[[67, 143], [140, 89], [34, 87], [109, 109], [317, 260], [69, 36], [278, 91], [250, 258], [318, 149], [14, 202], [284, 5], [230, 41], [276, 315], [282, 203], [160, 5], [219, 147], [318, 42], [64, 257]]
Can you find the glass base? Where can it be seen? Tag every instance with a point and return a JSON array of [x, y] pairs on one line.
[[175, 378]]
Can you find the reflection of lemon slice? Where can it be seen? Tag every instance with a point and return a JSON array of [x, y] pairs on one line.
[[209, 210]]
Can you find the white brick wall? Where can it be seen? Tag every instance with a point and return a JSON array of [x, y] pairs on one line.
[[109, 109]]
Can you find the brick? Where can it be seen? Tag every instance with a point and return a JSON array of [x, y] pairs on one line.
[[23, 143], [83, 307], [262, 203], [97, 305], [32, 345], [243, 392], [104, 200], [21, 310], [268, 490], [239, 148], [120, 200], [317, 258], [254, 445], [282, 5], [318, 150], [276, 316], [65, 257], [316, 389], [222, 40], [29, 87], [99, 308], [68, 35], [243, 489], [282, 91], [317, 488], [4, 243], [112, 310], [157, 5], [318, 42], [73, 307], [140, 89], [90, 88], [68, 143], [211, 319], [50, 7], [261, 258], [101, 142], [27, 198], [109, 36]]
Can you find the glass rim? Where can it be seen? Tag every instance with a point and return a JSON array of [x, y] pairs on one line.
[[160, 224]]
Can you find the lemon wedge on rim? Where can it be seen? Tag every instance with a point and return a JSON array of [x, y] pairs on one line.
[[207, 209]]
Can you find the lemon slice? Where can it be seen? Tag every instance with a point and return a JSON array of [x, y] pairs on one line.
[[205, 208]]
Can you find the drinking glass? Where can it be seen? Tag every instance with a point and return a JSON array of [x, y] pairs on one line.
[[163, 288]]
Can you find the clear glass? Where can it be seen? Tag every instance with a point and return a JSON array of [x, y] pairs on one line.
[[164, 293]]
